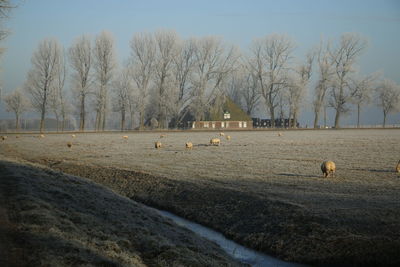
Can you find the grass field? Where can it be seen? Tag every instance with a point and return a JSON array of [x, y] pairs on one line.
[[263, 190]]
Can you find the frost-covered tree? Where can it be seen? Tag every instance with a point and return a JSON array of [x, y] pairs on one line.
[[80, 58], [343, 58], [213, 63], [45, 64], [122, 86], [387, 97], [17, 103], [270, 58], [104, 65], [143, 50]]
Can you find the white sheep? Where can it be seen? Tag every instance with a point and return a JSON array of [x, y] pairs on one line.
[[328, 167], [157, 145], [189, 145], [215, 141]]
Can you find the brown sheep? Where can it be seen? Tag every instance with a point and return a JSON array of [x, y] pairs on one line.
[[221, 134], [69, 144], [398, 167], [228, 137], [157, 145], [328, 167], [3, 138], [280, 134], [189, 145], [215, 141], [125, 137]]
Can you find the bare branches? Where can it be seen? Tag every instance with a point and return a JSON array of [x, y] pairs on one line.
[[17, 103], [45, 63], [104, 65], [343, 58], [80, 56], [269, 61], [388, 97]]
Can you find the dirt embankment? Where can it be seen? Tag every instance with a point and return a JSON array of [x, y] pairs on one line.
[[51, 219], [287, 231]]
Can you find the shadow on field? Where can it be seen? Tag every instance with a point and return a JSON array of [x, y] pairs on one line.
[[299, 175], [263, 221]]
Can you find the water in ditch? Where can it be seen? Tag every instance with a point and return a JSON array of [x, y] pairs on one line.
[[239, 252]]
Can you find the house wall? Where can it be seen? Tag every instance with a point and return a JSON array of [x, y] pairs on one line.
[[222, 125]]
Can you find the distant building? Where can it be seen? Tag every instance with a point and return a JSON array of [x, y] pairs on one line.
[[279, 123], [224, 114]]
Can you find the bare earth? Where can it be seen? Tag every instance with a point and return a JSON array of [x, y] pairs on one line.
[[263, 190]]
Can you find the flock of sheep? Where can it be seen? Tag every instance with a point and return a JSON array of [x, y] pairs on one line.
[[328, 168]]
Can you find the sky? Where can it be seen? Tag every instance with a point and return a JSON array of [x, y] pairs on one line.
[[238, 22]]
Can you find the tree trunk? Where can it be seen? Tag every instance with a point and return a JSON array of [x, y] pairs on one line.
[[16, 122], [82, 114], [294, 123], [358, 115], [316, 119], [337, 118], [272, 113], [384, 120], [122, 120], [325, 117]]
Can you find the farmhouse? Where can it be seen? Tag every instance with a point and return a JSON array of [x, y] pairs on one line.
[[224, 114]]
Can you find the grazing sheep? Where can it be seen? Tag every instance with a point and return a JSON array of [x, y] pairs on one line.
[[17, 136], [398, 167], [280, 134], [189, 145], [157, 145], [3, 138], [163, 135], [41, 136], [228, 137], [328, 167], [125, 137], [221, 134], [73, 136], [215, 141], [69, 144]]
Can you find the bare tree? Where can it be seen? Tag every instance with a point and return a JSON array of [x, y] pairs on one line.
[[104, 64], [325, 73], [297, 87], [143, 50], [80, 56], [343, 58], [57, 98], [387, 97], [269, 61], [362, 89], [17, 103], [122, 88], [5, 8], [213, 63], [45, 62], [182, 71], [166, 52]]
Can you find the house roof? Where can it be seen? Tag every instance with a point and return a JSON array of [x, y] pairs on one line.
[[226, 104]]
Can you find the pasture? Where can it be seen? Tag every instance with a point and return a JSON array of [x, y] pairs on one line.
[[263, 190]]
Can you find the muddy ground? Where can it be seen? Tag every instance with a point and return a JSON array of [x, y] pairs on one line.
[[260, 189]]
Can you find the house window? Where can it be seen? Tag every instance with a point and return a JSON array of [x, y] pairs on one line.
[[194, 125], [245, 124], [222, 124], [227, 115], [240, 124], [206, 125]]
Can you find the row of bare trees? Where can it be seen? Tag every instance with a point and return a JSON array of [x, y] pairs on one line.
[[165, 78]]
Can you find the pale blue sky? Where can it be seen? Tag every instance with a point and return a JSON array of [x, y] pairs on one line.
[[236, 21]]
